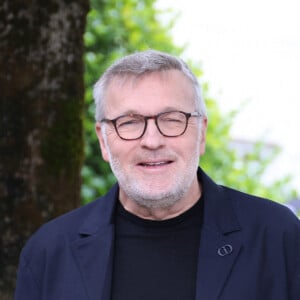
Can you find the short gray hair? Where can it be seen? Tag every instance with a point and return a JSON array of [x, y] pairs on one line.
[[139, 64]]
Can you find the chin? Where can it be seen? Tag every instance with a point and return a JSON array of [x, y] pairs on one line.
[[157, 197], [155, 203]]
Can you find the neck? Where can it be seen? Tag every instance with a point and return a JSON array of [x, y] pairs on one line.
[[163, 213]]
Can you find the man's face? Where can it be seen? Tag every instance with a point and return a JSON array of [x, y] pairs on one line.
[[153, 171]]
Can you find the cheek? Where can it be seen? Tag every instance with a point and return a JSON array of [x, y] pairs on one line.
[[121, 150], [192, 149], [184, 148], [108, 142], [193, 138]]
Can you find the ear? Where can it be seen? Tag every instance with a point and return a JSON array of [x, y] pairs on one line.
[[203, 135], [103, 147]]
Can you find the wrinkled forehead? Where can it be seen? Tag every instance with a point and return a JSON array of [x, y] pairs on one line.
[[172, 87], [131, 80]]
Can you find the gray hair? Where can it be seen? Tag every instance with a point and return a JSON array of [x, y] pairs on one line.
[[139, 64]]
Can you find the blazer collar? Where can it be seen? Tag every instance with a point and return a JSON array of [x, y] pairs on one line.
[[220, 242], [219, 214], [102, 213], [93, 249]]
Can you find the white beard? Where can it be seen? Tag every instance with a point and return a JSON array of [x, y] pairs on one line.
[[152, 195]]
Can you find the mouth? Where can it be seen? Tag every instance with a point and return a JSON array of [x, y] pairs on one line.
[[155, 164]]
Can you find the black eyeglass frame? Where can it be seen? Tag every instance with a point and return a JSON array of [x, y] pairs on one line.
[[155, 117]]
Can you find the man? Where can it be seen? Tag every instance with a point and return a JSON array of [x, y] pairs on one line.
[[166, 230]]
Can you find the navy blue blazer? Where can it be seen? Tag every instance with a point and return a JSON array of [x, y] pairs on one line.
[[249, 250]]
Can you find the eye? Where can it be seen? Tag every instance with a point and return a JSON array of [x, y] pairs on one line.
[[172, 120], [129, 121], [174, 117]]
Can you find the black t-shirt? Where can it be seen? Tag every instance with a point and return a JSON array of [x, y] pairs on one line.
[[156, 260]]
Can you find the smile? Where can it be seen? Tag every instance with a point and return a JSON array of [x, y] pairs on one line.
[[155, 164]]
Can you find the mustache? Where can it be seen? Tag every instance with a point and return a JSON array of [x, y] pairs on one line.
[[154, 155]]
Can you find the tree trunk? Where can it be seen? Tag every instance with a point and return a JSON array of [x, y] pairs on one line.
[[41, 101]]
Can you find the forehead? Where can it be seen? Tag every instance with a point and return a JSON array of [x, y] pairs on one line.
[[149, 93]]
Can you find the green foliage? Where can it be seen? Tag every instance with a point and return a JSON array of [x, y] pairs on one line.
[[246, 170], [116, 28]]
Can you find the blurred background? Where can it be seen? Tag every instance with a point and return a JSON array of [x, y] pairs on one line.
[[246, 55], [250, 55]]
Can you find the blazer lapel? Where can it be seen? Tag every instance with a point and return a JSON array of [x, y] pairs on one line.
[[94, 257], [220, 242], [217, 256], [93, 250]]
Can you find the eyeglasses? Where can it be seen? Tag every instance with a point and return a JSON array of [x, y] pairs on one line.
[[133, 126]]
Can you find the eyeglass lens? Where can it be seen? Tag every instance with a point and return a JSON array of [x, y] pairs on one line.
[[169, 124]]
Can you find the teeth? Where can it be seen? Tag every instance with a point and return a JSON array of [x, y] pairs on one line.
[[154, 164]]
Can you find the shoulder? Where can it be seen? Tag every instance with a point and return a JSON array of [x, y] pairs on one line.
[[256, 210], [223, 202], [68, 227], [58, 229], [68, 223]]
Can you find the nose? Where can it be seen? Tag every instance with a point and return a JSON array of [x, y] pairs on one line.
[[152, 138]]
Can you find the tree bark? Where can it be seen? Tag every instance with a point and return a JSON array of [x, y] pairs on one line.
[[41, 101]]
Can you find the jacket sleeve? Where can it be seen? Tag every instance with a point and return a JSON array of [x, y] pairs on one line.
[[27, 287], [294, 290]]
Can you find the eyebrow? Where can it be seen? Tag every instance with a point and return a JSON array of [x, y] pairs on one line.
[[135, 112]]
